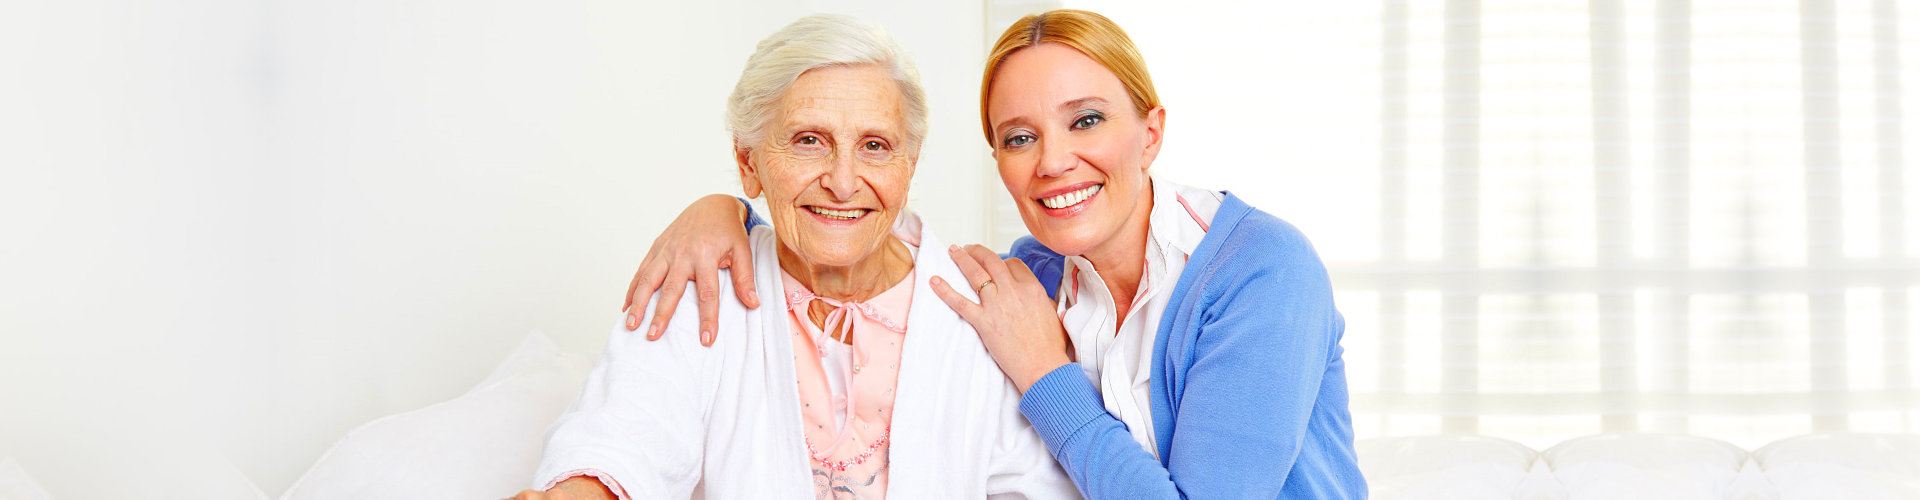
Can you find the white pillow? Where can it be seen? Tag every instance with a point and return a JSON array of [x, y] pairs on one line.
[[15, 484], [1646, 467], [1844, 465], [483, 444], [1443, 467]]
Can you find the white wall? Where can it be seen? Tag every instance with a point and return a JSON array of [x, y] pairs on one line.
[[230, 231]]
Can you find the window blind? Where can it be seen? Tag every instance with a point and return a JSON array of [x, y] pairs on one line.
[[1550, 219]]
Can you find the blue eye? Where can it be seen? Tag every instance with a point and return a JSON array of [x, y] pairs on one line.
[[1088, 120], [1018, 141]]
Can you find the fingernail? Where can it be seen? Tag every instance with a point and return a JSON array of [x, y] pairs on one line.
[[953, 248], [653, 332], [632, 322], [706, 338]]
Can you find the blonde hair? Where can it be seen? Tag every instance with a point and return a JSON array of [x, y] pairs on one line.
[[818, 41], [1091, 34]]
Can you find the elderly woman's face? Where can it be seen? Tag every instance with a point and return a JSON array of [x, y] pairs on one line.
[[834, 164]]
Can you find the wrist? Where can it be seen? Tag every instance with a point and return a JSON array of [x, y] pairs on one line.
[[1034, 373]]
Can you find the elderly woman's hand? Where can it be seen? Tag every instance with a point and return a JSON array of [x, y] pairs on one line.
[[574, 488], [1014, 318], [706, 237]]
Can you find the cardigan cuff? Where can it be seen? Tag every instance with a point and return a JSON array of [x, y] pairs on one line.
[[1060, 404]]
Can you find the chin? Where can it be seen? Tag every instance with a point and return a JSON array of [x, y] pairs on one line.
[[1069, 240], [834, 255]]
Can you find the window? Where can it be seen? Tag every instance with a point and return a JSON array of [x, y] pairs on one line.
[[1549, 219]]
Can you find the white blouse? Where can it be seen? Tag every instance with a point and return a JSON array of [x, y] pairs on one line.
[[1120, 361], [673, 419]]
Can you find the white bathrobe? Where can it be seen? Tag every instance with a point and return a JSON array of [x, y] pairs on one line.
[[673, 419]]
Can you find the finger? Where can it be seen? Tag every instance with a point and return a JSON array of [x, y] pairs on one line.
[[959, 303], [742, 260], [706, 281], [645, 282], [663, 307], [996, 269], [1020, 272], [627, 302], [969, 267]]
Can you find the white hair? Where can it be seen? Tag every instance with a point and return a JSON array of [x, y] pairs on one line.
[[818, 41]]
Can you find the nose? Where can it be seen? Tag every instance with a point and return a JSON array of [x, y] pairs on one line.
[[840, 180], [1056, 158]]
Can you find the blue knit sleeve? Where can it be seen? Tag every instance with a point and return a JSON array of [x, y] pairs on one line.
[[1094, 447]]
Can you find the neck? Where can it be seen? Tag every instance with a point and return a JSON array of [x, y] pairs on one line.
[[1119, 258], [860, 281]]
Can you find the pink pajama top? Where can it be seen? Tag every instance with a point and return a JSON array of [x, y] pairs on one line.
[[846, 390]]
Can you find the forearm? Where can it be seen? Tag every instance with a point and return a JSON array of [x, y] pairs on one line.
[[742, 209], [1092, 446]]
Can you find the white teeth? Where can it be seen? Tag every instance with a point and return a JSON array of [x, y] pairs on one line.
[[1069, 199], [839, 214]]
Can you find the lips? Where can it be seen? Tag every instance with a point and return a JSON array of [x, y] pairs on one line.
[[1070, 198]]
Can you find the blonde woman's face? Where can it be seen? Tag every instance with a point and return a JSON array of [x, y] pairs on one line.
[[834, 164], [1071, 149]]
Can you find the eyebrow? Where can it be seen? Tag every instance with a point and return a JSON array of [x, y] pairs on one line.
[[1082, 103], [805, 123]]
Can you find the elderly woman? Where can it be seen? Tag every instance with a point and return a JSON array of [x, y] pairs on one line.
[[860, 383]]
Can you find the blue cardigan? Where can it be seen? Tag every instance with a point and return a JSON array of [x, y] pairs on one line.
[[1251, 397], [1250, 400]]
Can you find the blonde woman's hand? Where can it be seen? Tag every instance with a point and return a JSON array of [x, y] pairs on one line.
[[1014, 318], [707, 236]]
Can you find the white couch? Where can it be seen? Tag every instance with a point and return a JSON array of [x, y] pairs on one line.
[[1644, 467], [485, 444]]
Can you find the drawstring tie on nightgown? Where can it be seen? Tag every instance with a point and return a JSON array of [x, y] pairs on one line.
[[840, 319]]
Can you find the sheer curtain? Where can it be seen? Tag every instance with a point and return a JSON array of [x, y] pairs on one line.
[[1550, 219]]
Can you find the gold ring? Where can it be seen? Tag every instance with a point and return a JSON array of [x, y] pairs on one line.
[[983, 287]]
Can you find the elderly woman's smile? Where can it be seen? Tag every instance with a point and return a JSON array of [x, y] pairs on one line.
[[834, 161]]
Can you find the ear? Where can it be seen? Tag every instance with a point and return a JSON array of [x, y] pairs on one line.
[[749, 177], [1156, 133], [913, 161]]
